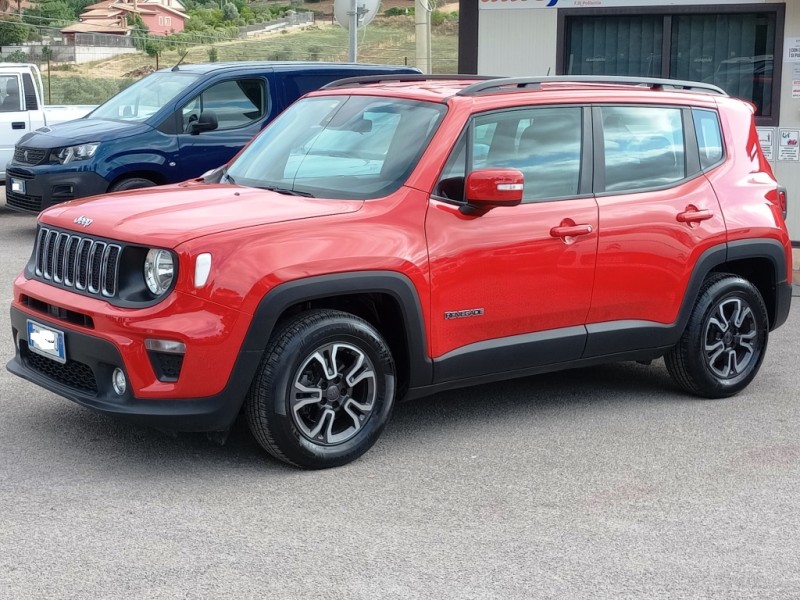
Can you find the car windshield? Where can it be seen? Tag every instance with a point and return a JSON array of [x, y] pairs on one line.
[[142, 99], [339, 147]]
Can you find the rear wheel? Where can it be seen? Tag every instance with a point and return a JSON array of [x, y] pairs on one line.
[[131, 183], [724, 343], [324, 391]]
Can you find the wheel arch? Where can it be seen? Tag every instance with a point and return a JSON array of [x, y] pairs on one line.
[[387, 300], [763, 263], [154, 176]]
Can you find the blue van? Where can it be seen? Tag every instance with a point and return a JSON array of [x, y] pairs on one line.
[[168, 127]]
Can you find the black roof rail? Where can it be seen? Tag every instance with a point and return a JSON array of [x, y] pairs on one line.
[[410, 77], [522, 83]]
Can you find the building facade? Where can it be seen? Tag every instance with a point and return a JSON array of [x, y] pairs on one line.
[[750, 48], [162, 17]]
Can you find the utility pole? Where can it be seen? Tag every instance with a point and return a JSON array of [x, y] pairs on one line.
[[353, 31], [422, 20]]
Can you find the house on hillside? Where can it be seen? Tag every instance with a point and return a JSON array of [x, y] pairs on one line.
[[14, 7], [161, 17]]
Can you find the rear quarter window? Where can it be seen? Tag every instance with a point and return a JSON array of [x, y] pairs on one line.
[[709, 137]]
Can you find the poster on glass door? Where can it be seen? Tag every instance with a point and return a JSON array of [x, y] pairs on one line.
[[789, 144]]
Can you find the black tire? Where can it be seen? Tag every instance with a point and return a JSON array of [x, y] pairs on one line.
[[725, 340], [301, 407], [131, 183]]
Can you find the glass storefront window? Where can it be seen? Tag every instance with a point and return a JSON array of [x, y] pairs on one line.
[[735, 51]]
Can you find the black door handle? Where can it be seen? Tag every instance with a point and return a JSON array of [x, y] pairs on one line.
[[18, 125]]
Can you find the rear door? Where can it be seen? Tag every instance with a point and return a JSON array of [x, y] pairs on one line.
[[658, 214], [14, 121]]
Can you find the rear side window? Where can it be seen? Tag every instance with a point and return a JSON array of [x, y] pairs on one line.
[[644, 147], [709, 137], [30, 92]]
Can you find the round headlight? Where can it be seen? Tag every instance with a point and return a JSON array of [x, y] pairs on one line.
[[158, 271]]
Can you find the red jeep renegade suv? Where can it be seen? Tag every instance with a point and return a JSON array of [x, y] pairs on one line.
[[395, 236]]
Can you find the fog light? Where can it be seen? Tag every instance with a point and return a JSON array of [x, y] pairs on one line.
[[118, 382], [170, 346]]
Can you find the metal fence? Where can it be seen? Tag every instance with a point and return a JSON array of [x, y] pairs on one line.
[[101, 39], [290, 20]]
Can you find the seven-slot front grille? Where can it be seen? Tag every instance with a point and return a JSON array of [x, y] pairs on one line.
[[74, 261]]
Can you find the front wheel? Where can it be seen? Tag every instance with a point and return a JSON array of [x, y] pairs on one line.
[[324, 391], [131, 183], [725, 339]]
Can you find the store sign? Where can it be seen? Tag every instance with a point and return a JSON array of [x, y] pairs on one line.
[[603, 3]]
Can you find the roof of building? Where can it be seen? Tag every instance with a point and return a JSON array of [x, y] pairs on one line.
[[95, 27]]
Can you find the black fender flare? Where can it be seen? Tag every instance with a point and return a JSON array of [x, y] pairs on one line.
[[605, 338], [775, 252], [397, 285]]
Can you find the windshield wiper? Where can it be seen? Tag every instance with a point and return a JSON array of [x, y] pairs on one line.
[[227, 177], [288, 192]]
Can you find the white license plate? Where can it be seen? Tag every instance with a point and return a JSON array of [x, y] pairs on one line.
[[18, 185], [46, 341]]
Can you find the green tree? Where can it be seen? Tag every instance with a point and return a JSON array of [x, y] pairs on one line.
[[230, 12], [13, 31], [153, 47], [51, 12], [139, 31]]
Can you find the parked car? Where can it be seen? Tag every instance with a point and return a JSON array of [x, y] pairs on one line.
[[170, 126], [396, 236], [22, 108]]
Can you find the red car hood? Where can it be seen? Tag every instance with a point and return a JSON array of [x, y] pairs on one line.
[[171, 215]]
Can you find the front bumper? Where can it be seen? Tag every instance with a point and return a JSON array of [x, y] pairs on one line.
[[86, 377], [45, 187]]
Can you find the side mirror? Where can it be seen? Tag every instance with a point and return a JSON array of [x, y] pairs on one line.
[[487, 188], [206, 122]]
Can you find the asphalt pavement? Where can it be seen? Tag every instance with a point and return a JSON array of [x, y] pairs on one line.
[[596, 483]]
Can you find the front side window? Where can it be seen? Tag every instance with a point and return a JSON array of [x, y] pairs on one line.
[[735, 51], [543, 143], [10, 97], [236, 103], [643, 147], [339, 147]]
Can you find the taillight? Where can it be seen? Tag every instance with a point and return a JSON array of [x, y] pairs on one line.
[[782, 200]]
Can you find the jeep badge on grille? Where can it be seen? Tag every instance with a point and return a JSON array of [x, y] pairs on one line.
[[83, 221]]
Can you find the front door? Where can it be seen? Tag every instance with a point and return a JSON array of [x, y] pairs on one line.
[[513, 285], [14, 122], [239, 105]]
